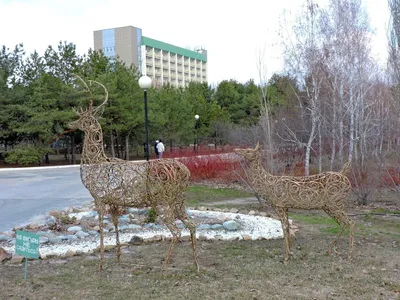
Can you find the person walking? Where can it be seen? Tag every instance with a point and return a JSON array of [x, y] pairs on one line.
[[160, 148], [155, 147]]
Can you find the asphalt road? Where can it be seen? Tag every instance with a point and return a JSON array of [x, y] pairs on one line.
[[28, 194]]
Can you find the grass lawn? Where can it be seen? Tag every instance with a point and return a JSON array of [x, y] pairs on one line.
[[197, 195], [230, 270]]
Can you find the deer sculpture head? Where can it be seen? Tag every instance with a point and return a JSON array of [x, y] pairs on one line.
[[93, 151], [88, 117], [251, 155]]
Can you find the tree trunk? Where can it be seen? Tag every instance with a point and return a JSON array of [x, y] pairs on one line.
[[308, 151], [352, 124], [118, 146], [112, 147], [314, 124], [341, 126], [73, 152], [319, 148], [127, 147], [333, 152]]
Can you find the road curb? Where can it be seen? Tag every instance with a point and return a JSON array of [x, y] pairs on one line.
[[78, 165], [37, 168]]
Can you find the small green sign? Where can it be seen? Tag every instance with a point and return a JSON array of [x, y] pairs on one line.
[[27, 244]]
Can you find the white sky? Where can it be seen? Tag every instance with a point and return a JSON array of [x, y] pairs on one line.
[[231, 31]]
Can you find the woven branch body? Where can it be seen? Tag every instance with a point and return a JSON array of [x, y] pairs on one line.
[[137, 184], [326, 191], [131, 184]]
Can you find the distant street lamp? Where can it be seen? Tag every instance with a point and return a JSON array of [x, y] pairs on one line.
[[145, 83], [197, 130]]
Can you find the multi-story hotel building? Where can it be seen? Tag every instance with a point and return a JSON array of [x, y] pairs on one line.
[[162, 62]]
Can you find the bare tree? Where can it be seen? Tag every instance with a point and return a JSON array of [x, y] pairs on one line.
[[303, 59], [265, 110], [349, 71], [394, 51], [394, 38]]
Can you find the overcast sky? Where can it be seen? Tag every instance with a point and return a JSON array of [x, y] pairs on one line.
[[233, 32]]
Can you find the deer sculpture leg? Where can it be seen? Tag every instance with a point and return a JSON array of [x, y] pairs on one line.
[[176, 234], [344, 222], [192, 229], [283, 217], [115, 211], [100, 211], [169, 220]]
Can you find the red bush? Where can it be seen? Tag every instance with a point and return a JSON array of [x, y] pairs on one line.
[[299, 169], [375, 177], [359, 177], [212, 167], [391, 177], [208, 163], [201, 150]]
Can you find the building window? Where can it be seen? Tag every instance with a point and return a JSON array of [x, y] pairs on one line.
[[109, 42]]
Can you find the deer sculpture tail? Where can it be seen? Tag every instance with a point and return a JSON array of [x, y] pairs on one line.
[[346, 168]]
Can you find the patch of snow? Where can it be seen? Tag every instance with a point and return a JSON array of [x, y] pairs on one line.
[[257, 227], [79, 215]]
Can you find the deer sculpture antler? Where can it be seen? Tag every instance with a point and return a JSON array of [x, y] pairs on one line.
[[89, 91]]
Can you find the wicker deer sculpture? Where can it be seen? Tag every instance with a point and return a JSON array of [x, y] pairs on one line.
[[326, 191], [116, 183]]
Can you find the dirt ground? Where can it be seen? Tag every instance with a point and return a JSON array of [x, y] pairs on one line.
[[231, 270]]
